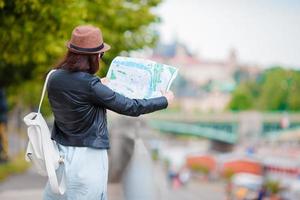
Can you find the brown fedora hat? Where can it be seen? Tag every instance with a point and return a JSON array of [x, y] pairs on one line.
[[87, 39]]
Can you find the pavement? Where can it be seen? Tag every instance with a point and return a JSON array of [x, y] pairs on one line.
[[196, 190], [29, 186]]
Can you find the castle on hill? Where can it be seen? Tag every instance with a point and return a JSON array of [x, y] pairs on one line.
[[202, 84]]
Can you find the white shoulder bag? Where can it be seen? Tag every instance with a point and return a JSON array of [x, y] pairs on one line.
[[42, 151]]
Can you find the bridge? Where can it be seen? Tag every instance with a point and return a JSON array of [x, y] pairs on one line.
[[225, 134], [228, 128]]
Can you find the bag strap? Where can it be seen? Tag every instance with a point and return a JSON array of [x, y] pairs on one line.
[[58, 187], [44, 89]]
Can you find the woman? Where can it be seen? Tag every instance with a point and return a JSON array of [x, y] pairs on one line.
[[79, 101]]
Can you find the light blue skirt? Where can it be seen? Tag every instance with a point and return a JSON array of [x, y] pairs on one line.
[[86, 172]]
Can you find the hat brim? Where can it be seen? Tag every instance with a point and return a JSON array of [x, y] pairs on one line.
[[105, 48]]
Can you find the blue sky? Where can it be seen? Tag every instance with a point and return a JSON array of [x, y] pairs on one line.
[[266, 32]]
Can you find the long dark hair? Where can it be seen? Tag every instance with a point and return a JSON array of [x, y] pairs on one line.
[[75, 62]]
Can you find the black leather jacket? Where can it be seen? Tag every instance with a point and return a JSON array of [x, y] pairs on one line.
[[79, 101]]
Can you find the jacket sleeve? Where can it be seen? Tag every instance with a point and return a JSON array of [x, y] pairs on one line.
[[103, 96]]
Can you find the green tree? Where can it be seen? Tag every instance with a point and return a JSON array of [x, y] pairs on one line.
[[277, 89], [274, 90], [244, 96], [34, 32]]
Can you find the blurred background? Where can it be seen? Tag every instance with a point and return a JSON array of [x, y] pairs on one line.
[[233, 131]]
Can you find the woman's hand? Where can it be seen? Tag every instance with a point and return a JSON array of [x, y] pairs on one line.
[[169, 96], [104, 81]]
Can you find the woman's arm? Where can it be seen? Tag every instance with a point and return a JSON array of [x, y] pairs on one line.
[[103, 96]]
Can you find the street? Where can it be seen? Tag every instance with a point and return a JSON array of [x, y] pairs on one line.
[[199, 190], [29, 186]]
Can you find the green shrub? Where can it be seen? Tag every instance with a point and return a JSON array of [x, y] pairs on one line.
[[273, 186], [200, 168]]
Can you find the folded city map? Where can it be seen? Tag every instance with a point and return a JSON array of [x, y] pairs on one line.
[[140, 78]]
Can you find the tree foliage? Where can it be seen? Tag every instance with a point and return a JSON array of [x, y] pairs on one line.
[[34, 33], [276, 89]]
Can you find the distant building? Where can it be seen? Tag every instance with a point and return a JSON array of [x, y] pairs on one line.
[[203, 85], [198, 71]]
